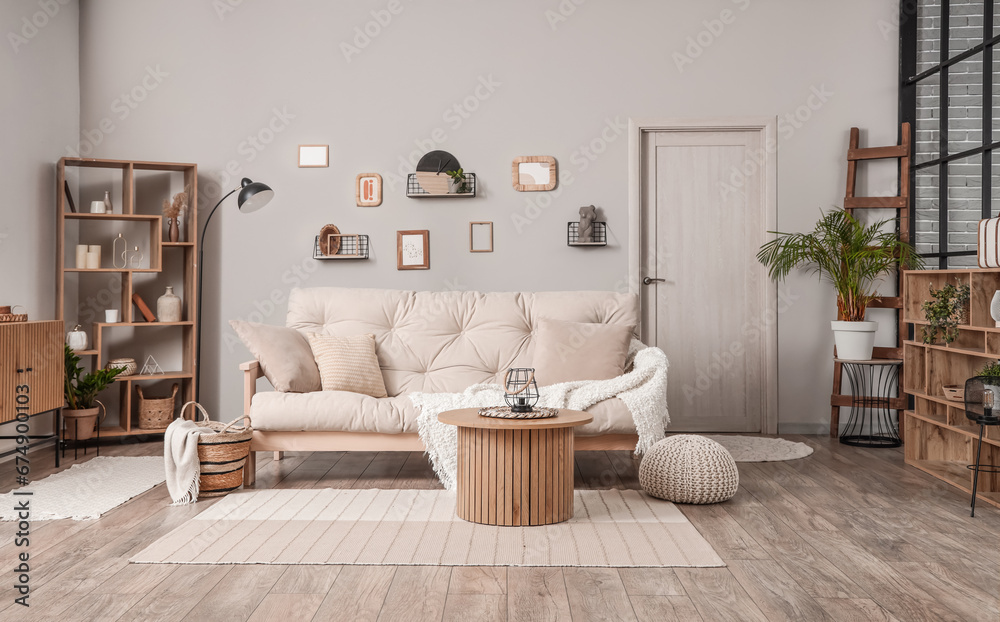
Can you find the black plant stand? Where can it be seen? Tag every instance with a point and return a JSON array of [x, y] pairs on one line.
[[76, 441], [871, 424]]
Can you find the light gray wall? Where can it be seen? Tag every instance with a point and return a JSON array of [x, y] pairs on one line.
[[527, 78], [39, 118]]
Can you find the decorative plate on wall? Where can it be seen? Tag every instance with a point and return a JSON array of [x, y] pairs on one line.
[[533, 173], [329, 245], [368, 190]]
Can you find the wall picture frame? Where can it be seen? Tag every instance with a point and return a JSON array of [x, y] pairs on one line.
[[314, 156], [481, 237], [534, 173], [368, 190], [413, 250]]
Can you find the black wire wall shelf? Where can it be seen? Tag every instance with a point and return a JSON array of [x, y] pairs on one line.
[[352, 246], [600, 237]]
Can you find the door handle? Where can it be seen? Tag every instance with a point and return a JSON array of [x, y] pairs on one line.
[[649, 281]]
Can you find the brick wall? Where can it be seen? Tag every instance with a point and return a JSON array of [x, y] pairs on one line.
[[965, 109]]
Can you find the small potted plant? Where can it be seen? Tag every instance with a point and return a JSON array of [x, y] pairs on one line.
[[457, 183], [81, 396], [947, 308], [852, 258]]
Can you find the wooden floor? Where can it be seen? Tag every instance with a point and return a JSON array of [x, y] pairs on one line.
[[846, 534]]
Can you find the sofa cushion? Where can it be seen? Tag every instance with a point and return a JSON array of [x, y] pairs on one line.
[[341, 411], [283, 353], [566, 351], [348, 363], [448, 341]]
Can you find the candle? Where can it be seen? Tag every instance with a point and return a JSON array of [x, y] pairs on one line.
[[97, 207], [93, 260], [81, 255]]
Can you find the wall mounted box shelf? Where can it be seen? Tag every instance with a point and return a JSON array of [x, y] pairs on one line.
[[414, 190], [352, 246], [939, 439], [83, 292], [600, 234]]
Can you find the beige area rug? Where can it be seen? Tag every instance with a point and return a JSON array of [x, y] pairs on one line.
[[761, 448], [85, 490], [419, 527]]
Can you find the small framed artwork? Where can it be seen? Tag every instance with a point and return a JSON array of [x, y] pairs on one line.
[[368, 190], [481, 237], [413, 250], [314, 156], [534, 173]]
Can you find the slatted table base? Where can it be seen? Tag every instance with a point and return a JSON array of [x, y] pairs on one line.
[[515, 477]]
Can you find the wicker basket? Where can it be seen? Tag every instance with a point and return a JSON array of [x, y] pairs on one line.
[[127, 365], [222, 454], [156, 413]]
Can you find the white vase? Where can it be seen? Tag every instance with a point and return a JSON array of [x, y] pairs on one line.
[[76, 339], [855, 340], [995, 308], [168, 306]]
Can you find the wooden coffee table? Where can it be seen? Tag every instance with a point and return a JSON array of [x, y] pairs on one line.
[[515, 472]]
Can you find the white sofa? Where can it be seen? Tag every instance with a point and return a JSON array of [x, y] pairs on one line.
[[425, 342]]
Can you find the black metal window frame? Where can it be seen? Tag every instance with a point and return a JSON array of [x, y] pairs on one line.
[[908, 80]]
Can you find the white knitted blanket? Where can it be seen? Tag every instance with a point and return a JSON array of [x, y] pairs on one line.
[[643, 389]]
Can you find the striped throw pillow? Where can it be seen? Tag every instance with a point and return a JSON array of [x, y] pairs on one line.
[[348, 364]]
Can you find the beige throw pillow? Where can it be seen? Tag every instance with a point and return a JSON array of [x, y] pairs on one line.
[[283, 353], [348, 364], [566, 351]]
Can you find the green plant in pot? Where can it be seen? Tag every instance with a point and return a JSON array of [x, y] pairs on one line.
[[852, 257], [947, 308], [457, 184], [80, 391]]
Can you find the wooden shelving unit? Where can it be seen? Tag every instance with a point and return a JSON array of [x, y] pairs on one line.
[[82, 294], [940, 440]]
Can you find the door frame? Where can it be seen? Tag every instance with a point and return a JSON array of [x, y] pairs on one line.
[[767, 128]]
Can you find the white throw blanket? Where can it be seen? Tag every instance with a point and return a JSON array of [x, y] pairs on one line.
[[180, 458], [643, 389]]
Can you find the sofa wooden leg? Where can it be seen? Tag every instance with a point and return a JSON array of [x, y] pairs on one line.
[[278, 455], [250, 470]]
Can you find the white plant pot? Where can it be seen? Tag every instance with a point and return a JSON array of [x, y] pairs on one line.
[[854, 340]]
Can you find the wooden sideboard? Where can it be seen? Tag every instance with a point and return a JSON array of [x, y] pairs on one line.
[[940, 440], [31, 353]]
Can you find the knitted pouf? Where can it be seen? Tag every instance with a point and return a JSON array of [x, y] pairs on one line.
[[689, 469]]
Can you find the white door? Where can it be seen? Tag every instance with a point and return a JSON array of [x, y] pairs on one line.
[[705, 209]]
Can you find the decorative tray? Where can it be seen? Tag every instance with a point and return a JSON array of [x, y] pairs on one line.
[[504, 412]]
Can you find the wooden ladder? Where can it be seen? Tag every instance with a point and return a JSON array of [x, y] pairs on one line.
[[903, 205]]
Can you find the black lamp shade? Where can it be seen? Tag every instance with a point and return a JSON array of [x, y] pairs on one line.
[[253, 196]]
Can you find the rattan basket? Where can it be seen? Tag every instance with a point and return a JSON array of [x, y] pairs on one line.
[[222, 454], [127, 365], [156, 413]]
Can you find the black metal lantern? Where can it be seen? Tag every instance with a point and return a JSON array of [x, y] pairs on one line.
[[520, 390]]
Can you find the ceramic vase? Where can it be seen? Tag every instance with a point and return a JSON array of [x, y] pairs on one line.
[[995, 307], [174, 232], [168, 306], [76, 339], [108, 207]]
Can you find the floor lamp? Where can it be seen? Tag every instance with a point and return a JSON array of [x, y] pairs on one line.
[[253, 196]]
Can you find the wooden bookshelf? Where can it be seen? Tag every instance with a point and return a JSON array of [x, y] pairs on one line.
[[138, 191], [940, 440]]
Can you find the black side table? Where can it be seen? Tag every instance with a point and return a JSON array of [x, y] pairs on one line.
[[871, 424]]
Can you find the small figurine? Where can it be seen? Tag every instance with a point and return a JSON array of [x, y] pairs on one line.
[[585, 234]]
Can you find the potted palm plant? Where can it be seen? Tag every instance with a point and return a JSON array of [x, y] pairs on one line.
[[852, 258], [81, 396]]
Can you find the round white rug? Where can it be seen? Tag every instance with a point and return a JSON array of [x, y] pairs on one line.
[[762, 449]]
